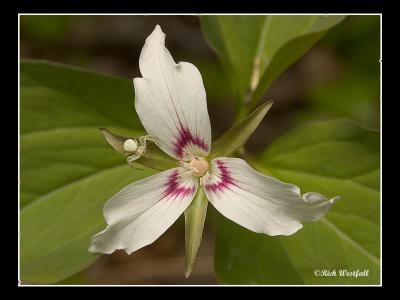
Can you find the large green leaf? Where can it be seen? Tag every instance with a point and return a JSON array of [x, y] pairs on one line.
[[256, 49], [68, 170], [334, 158]]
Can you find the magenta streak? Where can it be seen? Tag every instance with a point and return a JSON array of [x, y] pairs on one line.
[[173, 188], [225, 178], [185, 138]]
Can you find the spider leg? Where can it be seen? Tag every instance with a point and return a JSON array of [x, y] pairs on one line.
[[143, 139], [132, 158]]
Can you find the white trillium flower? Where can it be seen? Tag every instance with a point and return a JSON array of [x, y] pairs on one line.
[[171, 104]]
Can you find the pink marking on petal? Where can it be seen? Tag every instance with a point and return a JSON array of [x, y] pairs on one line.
[[225, 179], [173, 187], [186, 138]]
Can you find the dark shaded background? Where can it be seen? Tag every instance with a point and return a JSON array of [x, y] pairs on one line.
[[339, 77]]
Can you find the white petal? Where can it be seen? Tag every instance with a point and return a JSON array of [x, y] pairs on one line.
[[170, 100], [260, 203], [142, 211]]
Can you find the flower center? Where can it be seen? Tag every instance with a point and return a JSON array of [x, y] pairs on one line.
[[198, 166]]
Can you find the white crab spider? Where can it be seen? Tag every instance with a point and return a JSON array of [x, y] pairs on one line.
[[136, 149]]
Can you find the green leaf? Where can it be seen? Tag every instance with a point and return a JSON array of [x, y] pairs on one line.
[[355, 94], [256, 49], [236, 136], [334, 158], [195, 216], [68, 171]]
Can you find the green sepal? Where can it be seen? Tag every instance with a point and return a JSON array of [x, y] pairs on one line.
[[153, 157], [236, 137], [195, 216]]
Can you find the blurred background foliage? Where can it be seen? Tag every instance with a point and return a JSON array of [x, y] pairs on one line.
[[338, 77]]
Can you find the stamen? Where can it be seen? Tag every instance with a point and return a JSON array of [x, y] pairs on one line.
[[198, 165]]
